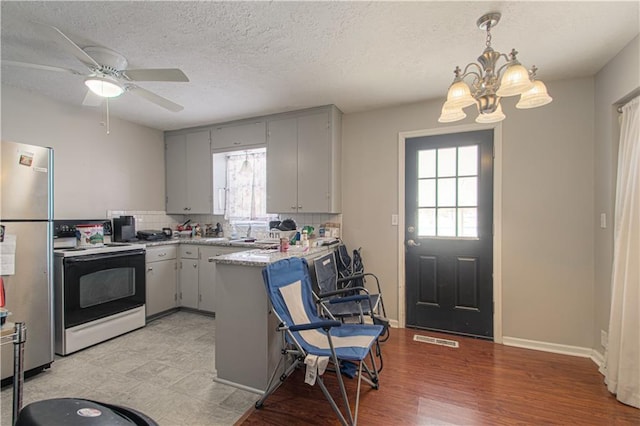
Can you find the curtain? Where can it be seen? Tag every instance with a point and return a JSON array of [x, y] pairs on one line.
[[246, 186], [622, 357]]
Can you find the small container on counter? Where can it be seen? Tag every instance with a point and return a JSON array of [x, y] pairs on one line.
[[284, 245]]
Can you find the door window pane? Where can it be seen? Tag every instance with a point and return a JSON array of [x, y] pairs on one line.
[[446, 162], [447, 222], [447, 192], [468, 160], [468, 222], [426, 222], [468, 191], [427, 163], [427, 193]]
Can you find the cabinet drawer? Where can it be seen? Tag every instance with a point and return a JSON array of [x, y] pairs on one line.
[[188, 252], [155, 254], [239, 136]]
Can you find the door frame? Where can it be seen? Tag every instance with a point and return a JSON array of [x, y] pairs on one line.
[[497, 216]]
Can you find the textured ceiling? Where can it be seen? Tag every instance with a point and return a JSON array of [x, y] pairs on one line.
[[251, 58]]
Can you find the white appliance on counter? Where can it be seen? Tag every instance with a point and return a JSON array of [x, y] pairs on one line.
[[99, 290], [27, 210]]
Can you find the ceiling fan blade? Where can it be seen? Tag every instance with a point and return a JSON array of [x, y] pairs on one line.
[[156, 99], [92, 100], [40, 67], [77, 50], [156, 74]]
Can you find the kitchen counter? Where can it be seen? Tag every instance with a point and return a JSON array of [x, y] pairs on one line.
[[247, 343], [206, 241], [263, 257]]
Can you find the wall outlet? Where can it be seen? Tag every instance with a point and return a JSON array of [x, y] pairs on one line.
[[604, 338]]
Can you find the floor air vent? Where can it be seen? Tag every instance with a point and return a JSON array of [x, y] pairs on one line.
[[435, 341]]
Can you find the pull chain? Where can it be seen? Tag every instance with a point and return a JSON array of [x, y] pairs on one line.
[[108, 128]]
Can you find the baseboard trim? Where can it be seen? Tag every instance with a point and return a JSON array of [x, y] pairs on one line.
[[548, 347], [598, 358], [394, 323]]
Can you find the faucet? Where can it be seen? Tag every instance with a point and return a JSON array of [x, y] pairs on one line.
[[249, 231]]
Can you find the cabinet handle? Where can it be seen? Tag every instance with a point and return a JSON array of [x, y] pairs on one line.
[[210, 259], [162, 254], [237, 143], [188, 252], [195, 265], [293, 207], [150, 268], [300, 207]]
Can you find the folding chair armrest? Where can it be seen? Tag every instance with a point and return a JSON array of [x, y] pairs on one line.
[[313, 325], [346, 299], [357, 276], [342, 291]]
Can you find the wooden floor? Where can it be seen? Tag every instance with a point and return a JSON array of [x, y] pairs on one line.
[[479, 383]]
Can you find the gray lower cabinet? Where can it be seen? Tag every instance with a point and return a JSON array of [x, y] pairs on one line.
[[189, 265], [161, 279], [198, 275]]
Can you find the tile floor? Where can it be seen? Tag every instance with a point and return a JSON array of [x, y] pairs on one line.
[[164, 370]]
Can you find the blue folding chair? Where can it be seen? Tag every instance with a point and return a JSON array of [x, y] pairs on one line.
[[306, 334]]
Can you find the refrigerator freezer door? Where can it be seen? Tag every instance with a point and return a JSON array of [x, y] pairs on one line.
[[27, 188], [28, 293]]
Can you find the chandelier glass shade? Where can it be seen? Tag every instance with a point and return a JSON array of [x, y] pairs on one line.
[[488, 83], [104, 86]]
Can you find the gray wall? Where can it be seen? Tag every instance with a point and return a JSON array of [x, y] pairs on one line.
[[547, 199], [94, 172], [619, 78]]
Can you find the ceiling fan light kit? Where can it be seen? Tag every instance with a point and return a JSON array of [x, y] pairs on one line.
[[488, 83], [104, 86]]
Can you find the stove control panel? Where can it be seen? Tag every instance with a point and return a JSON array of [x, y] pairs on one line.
[[67, 228]]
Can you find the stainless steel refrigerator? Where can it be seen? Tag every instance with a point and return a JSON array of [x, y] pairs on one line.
[[26, 213]]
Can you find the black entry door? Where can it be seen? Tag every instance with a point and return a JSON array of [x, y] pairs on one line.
[[448, 235]]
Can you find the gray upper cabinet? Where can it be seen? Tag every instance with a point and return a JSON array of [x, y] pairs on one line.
[[303, 162], [239, 136], [188, 165]]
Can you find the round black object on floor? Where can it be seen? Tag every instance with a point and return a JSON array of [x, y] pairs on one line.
[[80, 412]]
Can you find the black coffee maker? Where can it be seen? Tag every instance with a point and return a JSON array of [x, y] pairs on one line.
[[124, 229]]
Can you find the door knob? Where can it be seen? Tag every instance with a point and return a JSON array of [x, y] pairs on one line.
[[412, 243]]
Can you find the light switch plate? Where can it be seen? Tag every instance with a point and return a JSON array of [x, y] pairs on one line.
[[394, 220], [603, 220]]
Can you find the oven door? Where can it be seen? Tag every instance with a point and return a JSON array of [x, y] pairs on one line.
[[99, 285]]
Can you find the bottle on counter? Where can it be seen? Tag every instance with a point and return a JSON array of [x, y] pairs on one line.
[[304, 238]]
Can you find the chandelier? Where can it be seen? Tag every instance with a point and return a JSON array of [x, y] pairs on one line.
[[488, 84]]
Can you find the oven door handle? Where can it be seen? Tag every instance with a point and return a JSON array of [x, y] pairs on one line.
[[103, 256]]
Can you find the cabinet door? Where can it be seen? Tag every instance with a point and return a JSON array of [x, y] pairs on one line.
[[199, 181], [282, 166], [239, 136], [314, 163], [207, 281], [176, 177], [161, 286], [189, 283]]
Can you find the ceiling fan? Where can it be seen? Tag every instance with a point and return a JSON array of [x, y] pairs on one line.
[[108, 75]]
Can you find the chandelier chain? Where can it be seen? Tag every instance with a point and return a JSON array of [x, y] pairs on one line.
[[488, 42]]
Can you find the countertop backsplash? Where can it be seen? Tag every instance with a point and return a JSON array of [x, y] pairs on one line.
[[160, 219], [149, 219]]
